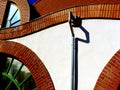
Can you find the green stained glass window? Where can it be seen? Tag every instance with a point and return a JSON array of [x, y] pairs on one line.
[[14, 75]]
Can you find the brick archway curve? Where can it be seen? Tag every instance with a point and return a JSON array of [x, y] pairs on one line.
[[23, 7], [90, 11], [48, 6], [24, 10], [109, 78], [31, 61]]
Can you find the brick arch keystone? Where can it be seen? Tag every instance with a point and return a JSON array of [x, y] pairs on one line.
[[109, 78], [31, 61]]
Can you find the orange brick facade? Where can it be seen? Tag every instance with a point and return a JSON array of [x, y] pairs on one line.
[[48, 6], [109, 11], [2, 10], [109, 77]]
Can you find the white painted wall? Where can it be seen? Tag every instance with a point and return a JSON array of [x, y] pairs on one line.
[[54, 47]]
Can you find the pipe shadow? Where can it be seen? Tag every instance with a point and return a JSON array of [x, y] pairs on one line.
[[87, 35], [86, 40]]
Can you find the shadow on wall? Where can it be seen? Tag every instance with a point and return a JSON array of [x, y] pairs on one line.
[[33, 13], [118, 87], [87, 40]]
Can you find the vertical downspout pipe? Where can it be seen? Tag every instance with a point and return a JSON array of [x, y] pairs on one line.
[[73, 82], [76, 22]]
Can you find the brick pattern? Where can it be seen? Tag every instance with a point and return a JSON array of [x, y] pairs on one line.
[[110, 11], [109, 78], [2, 10], [31, 61], [48, 6]]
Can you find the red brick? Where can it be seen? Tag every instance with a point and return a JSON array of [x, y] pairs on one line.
[[110, 76], [30, 60]]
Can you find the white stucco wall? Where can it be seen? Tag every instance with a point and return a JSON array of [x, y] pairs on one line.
[[54, 47]]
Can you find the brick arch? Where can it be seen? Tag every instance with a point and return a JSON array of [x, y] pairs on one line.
[[31, 61], [109, 11], [24, 10], [109, 78], [23, 7]]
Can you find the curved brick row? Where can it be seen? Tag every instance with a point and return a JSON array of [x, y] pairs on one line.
[[109, 79], [110, 11], [48, 6], [31, 61]]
